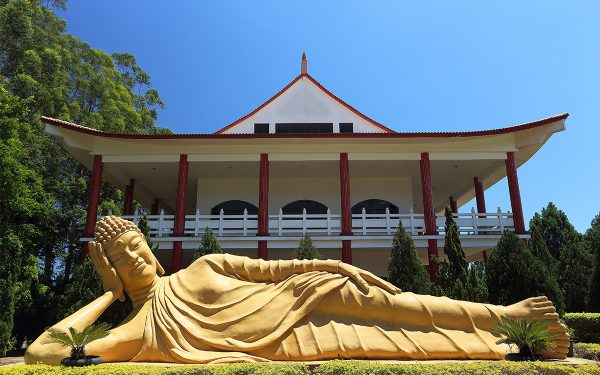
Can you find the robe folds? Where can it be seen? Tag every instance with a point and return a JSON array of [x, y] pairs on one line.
[[225, 308]]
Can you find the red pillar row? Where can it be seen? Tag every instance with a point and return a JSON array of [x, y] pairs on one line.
[[263, 206], [479, 195], [93, 200], [345, 207], [429, 213], [179, 224], [515, 194], [128, 201]]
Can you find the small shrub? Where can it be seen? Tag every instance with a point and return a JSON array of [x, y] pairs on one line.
[[208, 244], [306, 249], [587, 351], [77, 340], [586, 326]]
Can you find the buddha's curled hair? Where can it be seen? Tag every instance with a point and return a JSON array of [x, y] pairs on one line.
[[111, 227]]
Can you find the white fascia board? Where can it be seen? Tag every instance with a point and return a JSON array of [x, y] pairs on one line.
[[468, 155]]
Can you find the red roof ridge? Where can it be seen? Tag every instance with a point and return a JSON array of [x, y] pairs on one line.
[[322, 88], [473, 133]]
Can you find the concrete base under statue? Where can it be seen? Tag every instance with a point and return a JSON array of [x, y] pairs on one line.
[[226, 308]]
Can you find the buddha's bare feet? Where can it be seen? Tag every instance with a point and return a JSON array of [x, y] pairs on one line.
[[541, 308]]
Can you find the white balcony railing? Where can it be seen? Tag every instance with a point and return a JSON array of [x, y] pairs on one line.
[[327, 224]]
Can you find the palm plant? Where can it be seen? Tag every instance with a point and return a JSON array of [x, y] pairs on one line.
[[528, 337], [77, 340]]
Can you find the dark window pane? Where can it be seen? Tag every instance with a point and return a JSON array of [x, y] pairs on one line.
[[261, 128], [304, 128], [234, 207], [374, 206], [346, 127], [296, 207]]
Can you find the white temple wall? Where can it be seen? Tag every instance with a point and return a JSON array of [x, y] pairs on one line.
[[304, 102], [283, 190]]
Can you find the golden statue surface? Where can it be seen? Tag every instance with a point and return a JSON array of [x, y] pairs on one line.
[[226, 308]]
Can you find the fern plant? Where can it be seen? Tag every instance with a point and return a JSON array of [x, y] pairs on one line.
[[528, 337], [77, 340]]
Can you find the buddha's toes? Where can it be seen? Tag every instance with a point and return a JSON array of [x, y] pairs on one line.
[[541, 308]]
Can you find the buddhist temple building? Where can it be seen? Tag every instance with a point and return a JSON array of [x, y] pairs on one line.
[[305, 161]]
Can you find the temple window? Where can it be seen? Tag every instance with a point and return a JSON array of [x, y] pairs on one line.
[[304, 128], [296, 207], [234, 207], [374, 206], [261, 128], [346, 127]]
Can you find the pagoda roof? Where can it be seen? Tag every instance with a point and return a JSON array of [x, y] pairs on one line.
[[389, 134]]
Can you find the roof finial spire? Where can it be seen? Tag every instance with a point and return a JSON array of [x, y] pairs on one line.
[[304, 65]]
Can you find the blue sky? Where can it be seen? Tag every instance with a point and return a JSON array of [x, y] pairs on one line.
[[413, 66]]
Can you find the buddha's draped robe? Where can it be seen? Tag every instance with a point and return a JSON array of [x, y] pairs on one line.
[[226, 308]]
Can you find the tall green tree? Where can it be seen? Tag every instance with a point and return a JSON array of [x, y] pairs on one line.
[[538, 248], [514, 274], [555, 229], [592, 235], [457, 280], [23, 205], [575, 265], [594, 289], [405, 269], [306, 249], [208, 244], [58, 75]]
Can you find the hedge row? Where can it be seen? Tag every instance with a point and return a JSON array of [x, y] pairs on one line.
[[327, 368], [585, 325], [587, 351]]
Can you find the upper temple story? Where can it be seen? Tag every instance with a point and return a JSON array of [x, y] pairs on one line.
[[304, 106]]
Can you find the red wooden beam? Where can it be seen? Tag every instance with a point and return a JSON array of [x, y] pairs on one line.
[[154, 208], [128, 201], [93, 200], [429, 213], [479, 195], [179, 224], [263, 205], [515, 194], [453, 205], [345, 206]]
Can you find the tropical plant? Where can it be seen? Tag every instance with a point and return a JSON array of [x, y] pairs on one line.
[[208, 244], [77, 340], [306, 249], [528, 337]]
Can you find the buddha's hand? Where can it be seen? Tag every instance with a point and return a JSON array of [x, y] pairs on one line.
[[111, 282], [365, 279]]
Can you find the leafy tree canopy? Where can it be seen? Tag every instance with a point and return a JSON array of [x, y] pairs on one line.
[[555, 229], [514, 274]]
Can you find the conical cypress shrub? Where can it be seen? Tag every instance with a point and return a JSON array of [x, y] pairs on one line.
[[208, 244], [306, 249], [405, 269]]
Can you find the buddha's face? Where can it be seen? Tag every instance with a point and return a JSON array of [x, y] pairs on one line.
[[133, 260]]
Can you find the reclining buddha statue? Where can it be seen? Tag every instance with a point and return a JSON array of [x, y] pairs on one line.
[[226, 308]]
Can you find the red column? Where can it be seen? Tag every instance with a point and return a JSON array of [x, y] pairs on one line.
[[179, 224], [479, 196], [453, 205], [515, 194], [429, 213], [345, 206], [484, 256], [263, 205], [154, 208], [93, 200], [128, 201]]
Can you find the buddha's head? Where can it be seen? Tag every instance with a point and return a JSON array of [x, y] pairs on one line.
[[128, 252]]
